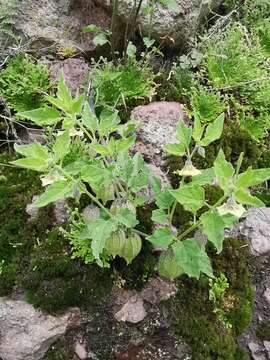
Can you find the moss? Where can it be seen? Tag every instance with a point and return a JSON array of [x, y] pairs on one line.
[[61, 350], [192, 313], [263, 331]]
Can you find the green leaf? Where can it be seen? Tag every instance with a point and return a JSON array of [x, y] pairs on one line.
[[213, 227], [213, 131], [197, 129], [32, 150], [148, 42], [175, 149], [92, 29], [234, 209], [63, 93], [170, 5], [168, 266], [61, 146], [124, 144], [100, 39], [99, 232], [163, 197], [191, 196], [56, 191], [162, 237], [159, 216], [126, 217], [206, 177], [252, 178], [224, 172], [42, 116], [131, 50], [89, 119], [109, 121], [100, 149], [183, 134], [32, 163], [243, 197], [192, 258], [77, 105]]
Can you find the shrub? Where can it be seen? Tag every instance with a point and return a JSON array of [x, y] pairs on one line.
[[23, 83]]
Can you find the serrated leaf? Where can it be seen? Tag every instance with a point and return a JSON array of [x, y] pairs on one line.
[[244, 197], [224, 172], [252, 177], [126, 217], [191, 196], [175, 149], [124, 144], [234, 209], [197, 129], [32, 163], [213, 227], [56, 191], [109, 121], [63, 92], [162, 237], [183, 134], [192, 258], [213, 131], [100, 149], [61, 146], [32, 150], [159, 216], [42, 116], [89, 119], [206, 177], [99, 231], [163, 197]]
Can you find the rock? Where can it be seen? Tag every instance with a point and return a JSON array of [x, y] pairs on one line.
[[174, 27], [266, 344], [80, 351], [267, 295], [133, 311], [256, 228], [60, 213], [31, 210], [157, 290], [53, 26], [26, 333], [75, 71], [256, 351]]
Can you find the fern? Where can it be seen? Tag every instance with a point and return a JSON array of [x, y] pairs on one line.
[[8, 13]]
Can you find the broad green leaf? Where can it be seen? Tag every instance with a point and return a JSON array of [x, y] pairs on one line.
[[191, 196], [224, 172], [183, 134], [77, 105], [42, 116], [100, 149], [159, 216], [162, 237], [124, 144], [109, 121], [32, 150], [61, 146], [131, 50], [148, 42], [252, 178], [89, 119], [213, 227], [126, 217], [192, 258], [244, 197], [56, 191], [197, 129], [100, 39], [32, 163], [175, 149], [99, 231], [64, 106], [163, 197], [205, 178], [213, 131]]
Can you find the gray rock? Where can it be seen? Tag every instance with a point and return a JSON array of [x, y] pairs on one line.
[[157, 290], [256, 351], [133, 310], [266, 294], [80, 351], [266, 344], [256, 228], [52, 24], [173, 27], [31, 210], [60, 212], [26, 333], [75, 71]]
